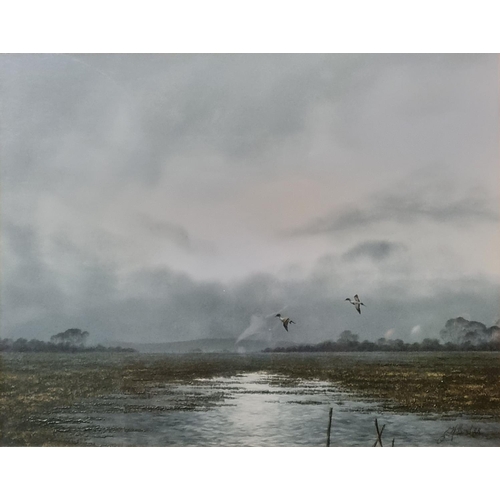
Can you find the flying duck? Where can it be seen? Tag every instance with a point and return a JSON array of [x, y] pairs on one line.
[[285, 321], [357, 303]]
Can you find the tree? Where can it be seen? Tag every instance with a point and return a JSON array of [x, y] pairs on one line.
[[493, 333], [459, 330], [73, 337], [472, 337], [398, 345], [430, 345], [20, 345], [366, 345], [347, 336]]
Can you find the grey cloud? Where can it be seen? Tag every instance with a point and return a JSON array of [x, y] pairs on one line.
[[403, 209], [376, 250], [417, 110], [29, 288], [100, 130], [159, 304], [173, 232], [178, 235], [69, 119], [239, 106]]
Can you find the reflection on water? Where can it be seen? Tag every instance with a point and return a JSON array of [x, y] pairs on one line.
[[260, 410]]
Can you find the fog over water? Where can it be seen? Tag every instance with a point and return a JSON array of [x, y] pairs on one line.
[[156, 198]]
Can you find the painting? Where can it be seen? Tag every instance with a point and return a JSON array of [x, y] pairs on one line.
[[250, 250]]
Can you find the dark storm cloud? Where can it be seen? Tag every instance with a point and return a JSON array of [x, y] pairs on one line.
[[231, 100], [409, 208], [29, 289], [238, 107], [376, 250], [159, 304], [141, 112], [71, 119]]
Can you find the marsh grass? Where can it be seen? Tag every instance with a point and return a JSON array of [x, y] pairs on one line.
[[33, 386], [422, 383]]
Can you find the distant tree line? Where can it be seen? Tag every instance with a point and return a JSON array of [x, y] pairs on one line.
[[72, 340], [459, 333], [388, 345]]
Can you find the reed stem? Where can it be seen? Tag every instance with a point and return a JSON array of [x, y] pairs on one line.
[[329, 428]]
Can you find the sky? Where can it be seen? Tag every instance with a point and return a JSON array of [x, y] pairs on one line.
[[162, 197]]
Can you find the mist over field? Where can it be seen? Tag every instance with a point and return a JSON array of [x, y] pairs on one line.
[[157, 198]]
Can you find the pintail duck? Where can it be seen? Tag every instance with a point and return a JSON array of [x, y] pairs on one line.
[[285, 321], [356, 303]]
